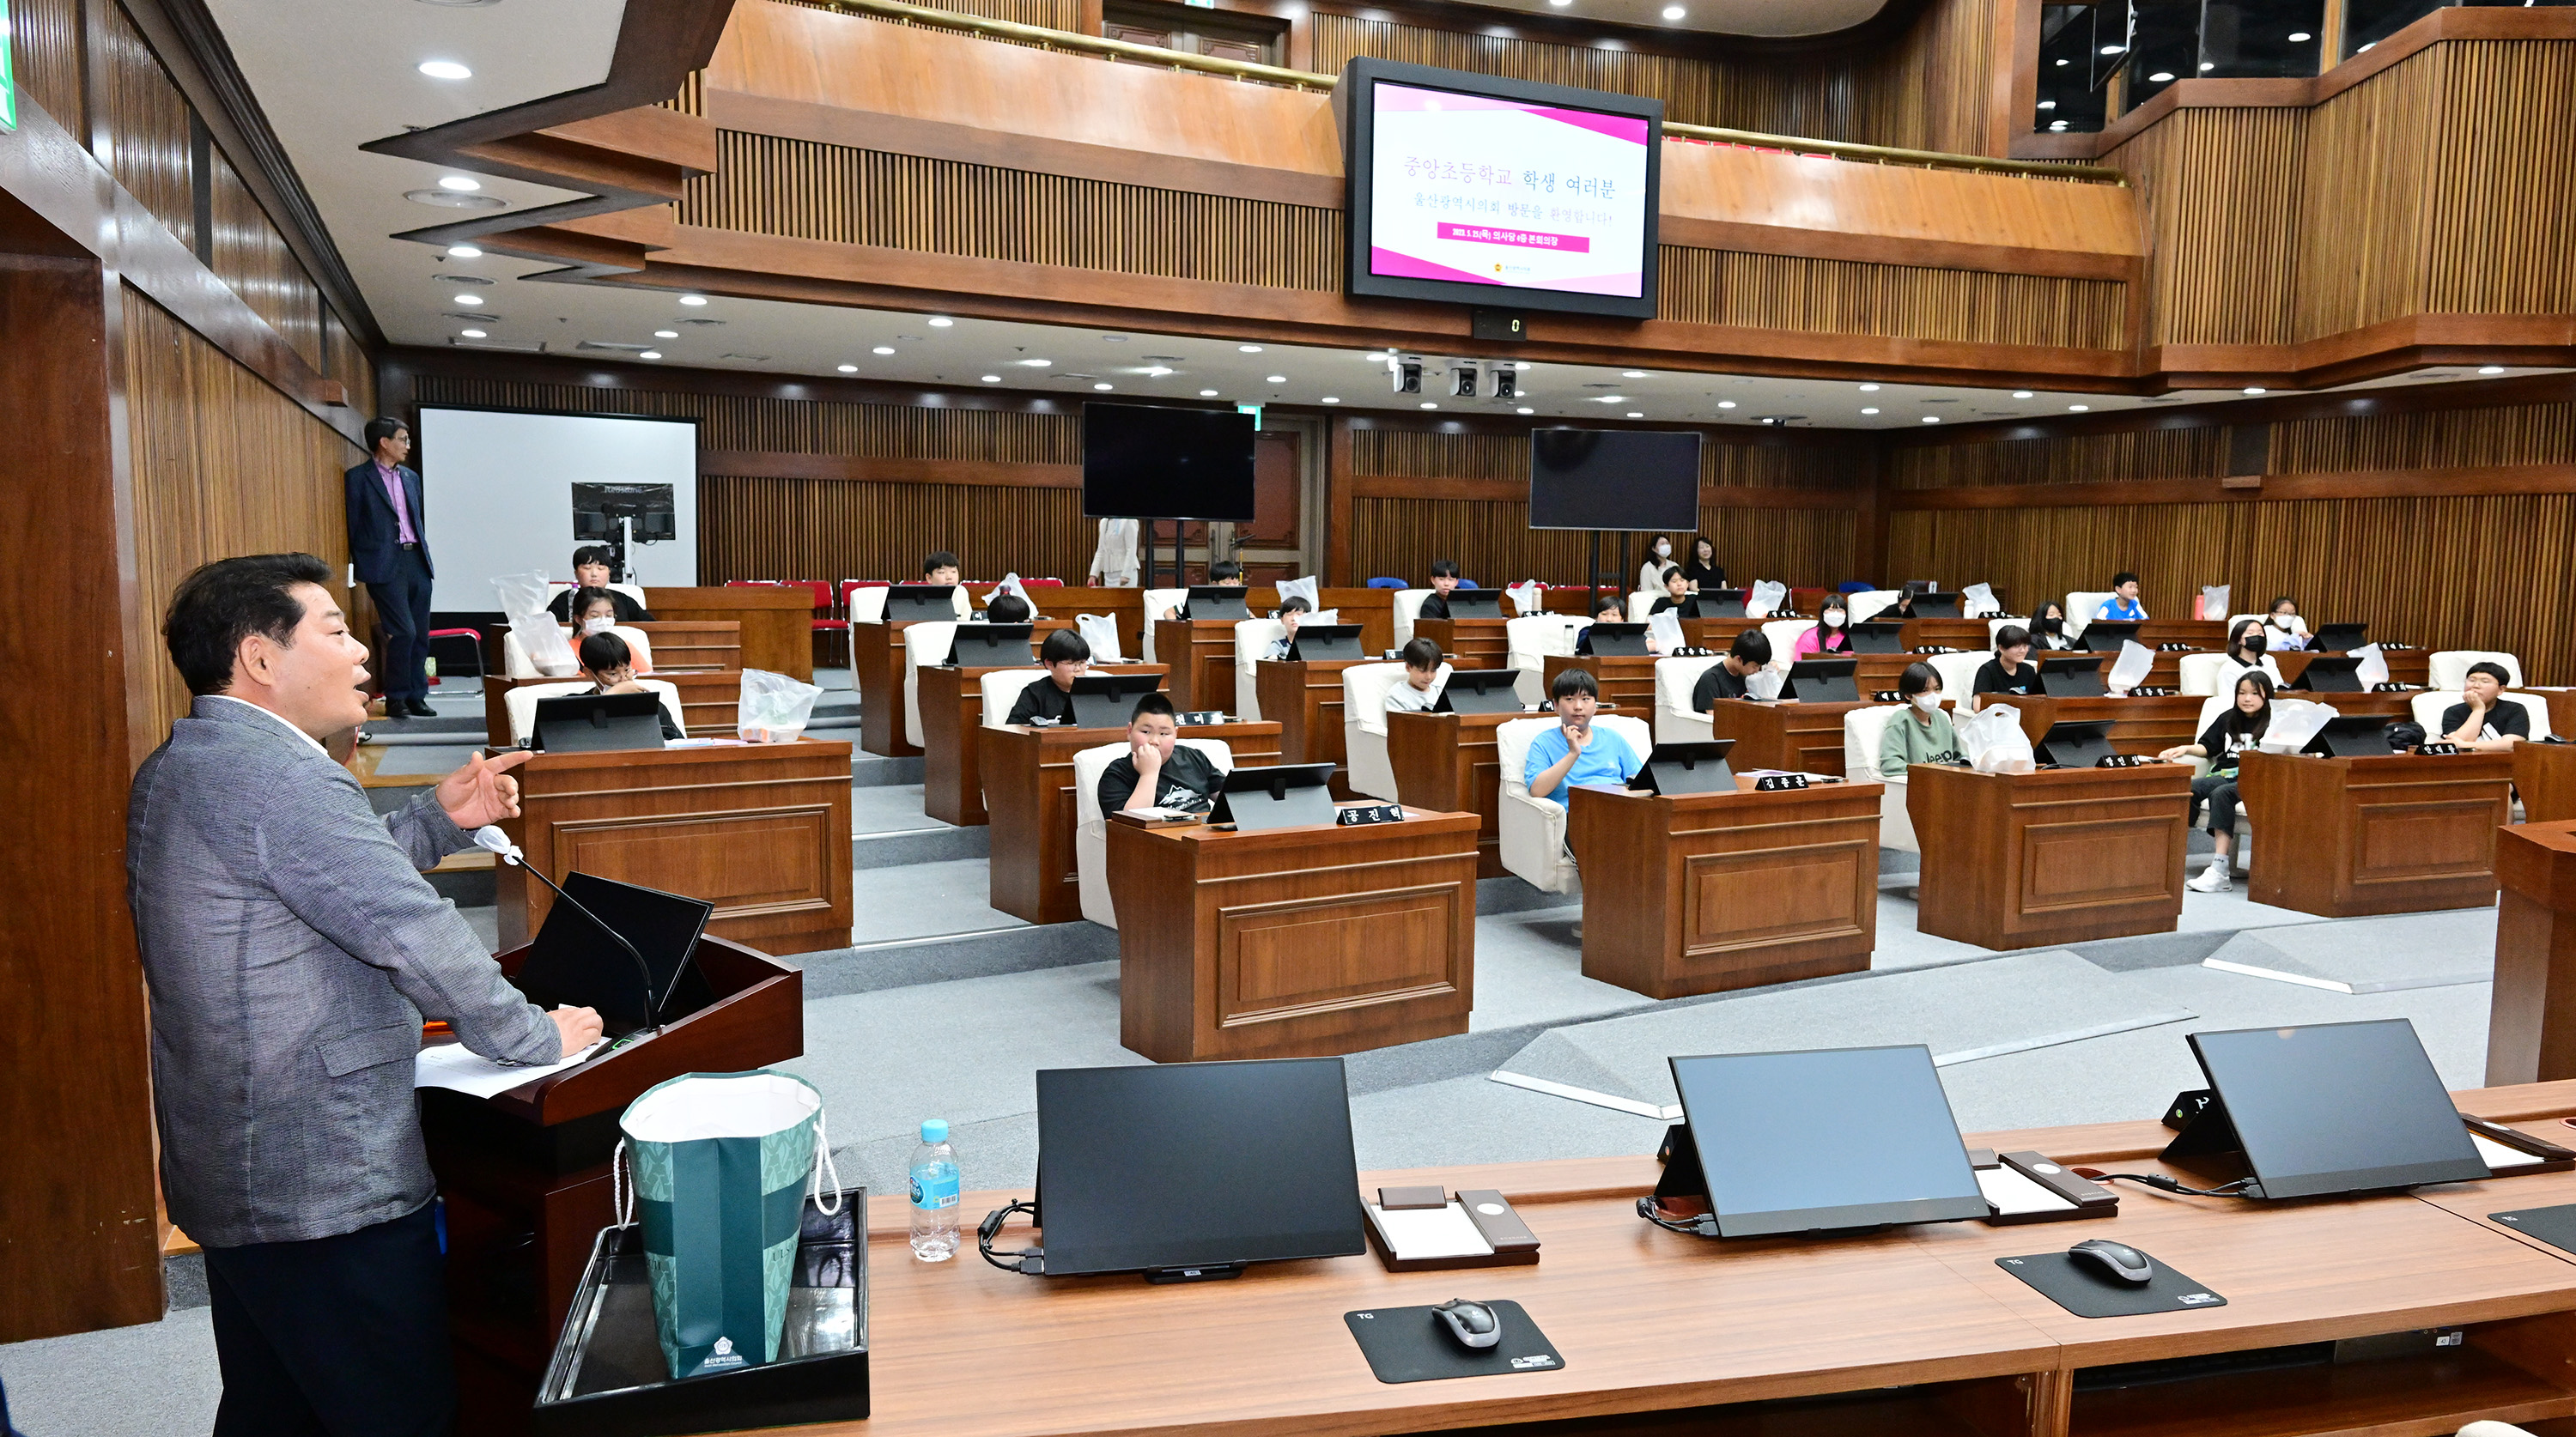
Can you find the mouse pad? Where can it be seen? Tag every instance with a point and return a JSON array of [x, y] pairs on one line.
[[2555, 1226], [1412, 1344], [2083, 1289]]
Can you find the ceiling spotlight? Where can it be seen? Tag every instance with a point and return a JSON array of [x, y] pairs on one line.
[[2113, 49], [1560, 4], [2209, 64], [1156, 372], [1330, 399], [475, 334], [463, 251], [650, 354], [1247, 349], [1275, 379], [1427, 404], [1674, 12], [1101, 386], [1633, 414], [2299, 36], [1522, 367], [1632, 374], [2078, 408], [940, 321], [693, 300], [2490, 369], [2057, 124], [1726, 404], [992, 379], [468, 299], [1207, 394], [2021, 394], [445, 70], [1610, 398], [1033, 363], [1931, 418], [2066, 62], [1869, 411], [1525, 411], [2253, 389], [461, 184], [2160, 77], [849, 369], [882, 349], [2048, 104], [1869, 389], [666, 334]]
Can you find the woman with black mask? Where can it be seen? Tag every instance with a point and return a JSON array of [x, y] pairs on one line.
[[2245, 652], [2048, 627]]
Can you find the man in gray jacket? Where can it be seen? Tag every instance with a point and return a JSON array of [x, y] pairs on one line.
[[292, 949]]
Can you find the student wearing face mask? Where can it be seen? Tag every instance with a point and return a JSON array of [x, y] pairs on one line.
[[2237, 729], [592, 611], [610, 667], [1831, 635], [2048, 627], [1659, 557], [2283, 630], [1921, 734], [2246, 646], [2010, 671]]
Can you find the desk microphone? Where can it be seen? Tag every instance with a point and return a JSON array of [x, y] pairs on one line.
[[491, 839]]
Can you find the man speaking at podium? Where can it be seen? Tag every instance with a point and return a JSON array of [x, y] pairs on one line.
[[292, 949]]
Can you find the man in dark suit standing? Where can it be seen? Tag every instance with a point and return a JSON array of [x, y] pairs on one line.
[[389, 544]]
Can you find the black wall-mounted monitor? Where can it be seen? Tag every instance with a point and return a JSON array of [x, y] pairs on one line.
[[1614, 479], [1152, 461], [1512, 194]]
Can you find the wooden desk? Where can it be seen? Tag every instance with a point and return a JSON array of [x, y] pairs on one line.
[[1200, 655], [1028, 795], [952, 746], [1304, 697], [2141, 726], [1447, 763], [2544, 776], [2034, 860], [2199, 633], [2531, 1019], [1973, 635], [1704, 892], [760, 830], [693, 646], [1800, 737], [710, 702], [2400, 834], [1293, 942], [2562, 709], [2406, 666], [1467, 643], [777, 622], [1628, 682], [876, 671]]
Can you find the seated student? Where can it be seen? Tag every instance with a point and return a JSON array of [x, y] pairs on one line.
[[939, 567], [2237, 729], [1677, 597], [1156, 772], [2245, 651], [1285, 646], [590, 571], [590, 611], [1444, 578], [1417, 694], [1224, 571], [2486, 719], [2048, 627], [610, 666], [2284, 629], [1574, 751], [1610, 609], [1725, 679], [1050, 699], [2123, 603], [1831, 635], [2010, 671], [1702, 569], [1921, 734], [1008, 609]]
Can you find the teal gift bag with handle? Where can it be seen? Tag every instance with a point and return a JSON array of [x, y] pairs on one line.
[[722, 1164]]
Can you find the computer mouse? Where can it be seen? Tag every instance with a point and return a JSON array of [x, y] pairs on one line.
[[2113, 1259], [1472, 1323]]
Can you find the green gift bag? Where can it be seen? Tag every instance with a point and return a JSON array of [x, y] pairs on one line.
[[722, 1163]]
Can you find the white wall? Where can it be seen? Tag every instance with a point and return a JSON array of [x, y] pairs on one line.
[[498, 488]]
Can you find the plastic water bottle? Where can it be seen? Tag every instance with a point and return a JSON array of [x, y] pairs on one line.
[[934, 1194]]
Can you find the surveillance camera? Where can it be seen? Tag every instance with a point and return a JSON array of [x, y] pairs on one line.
[[1465, 376], [1408, 375], [1507, 385]]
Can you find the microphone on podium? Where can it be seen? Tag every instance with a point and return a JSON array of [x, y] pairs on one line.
[[491, 839]]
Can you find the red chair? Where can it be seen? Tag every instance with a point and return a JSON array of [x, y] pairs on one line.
[[832, 620], [473, 645], [1042, 583], [751, 583]]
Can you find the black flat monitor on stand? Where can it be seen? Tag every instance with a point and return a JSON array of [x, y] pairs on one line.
[[993, 646], [1822, 681], [2075, 745], [1930, 605], [1618, 641], [1878, 636], [2072, 676], [920, 603], [1108, 700], [2331, 674], [571, 962], [1721, 603], [1475, 603], [599, 723], [2105, 636], [1317, 642], [1218, 601], [2324, 1109], [1191, 1171], [2351, 736], [1287, 795], [1679, 768], [1819, 1141], [1480, 691], [2339, 638]]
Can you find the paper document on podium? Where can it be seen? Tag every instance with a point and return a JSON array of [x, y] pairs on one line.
[[449, 1065], [2501, 1159], [1415, 1234]]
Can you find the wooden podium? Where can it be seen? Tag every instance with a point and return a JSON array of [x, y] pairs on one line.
[[2035, 860], [952, 748], [1293, 942], [2544, 776], [1304, 697], [1028, 790], [1703, 892], [760, 830], [525, 1174], [1800, 737], [2531, 1015], [1626, 681], [2349, 836], [1447, 763], [1200, 655], [1468, 643]]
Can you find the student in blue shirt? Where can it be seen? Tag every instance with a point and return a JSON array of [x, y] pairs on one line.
[[1574, 752], [2123, 603]]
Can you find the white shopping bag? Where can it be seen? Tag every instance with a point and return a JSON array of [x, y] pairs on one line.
[[1765, 683], [2130, 669], [2373, 669], [2293, 723], [2213, 600], [1977, 601], [774, 707], [1529, 598], [523, 599], [1011, 585], [1321, 616], [1666, 631], [1100, 631], [1306, 588], [1765, 600], [1992, 741]]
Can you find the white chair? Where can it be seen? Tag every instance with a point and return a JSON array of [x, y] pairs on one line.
[[1675, 720], [2216, 673], [925, 645], [1252, 639], [1533, 828], [1784, 635], [1156, 601], [1529, 640], [522, 702], [1958, 674], [2430, 704], [1995, 628], [1091, 827], [1868, 603], [1002, 689], [1364, 691], [515, 662], [2449, 668], [2080, 609], [1863, 730], [1408, 607], [1641, 605]]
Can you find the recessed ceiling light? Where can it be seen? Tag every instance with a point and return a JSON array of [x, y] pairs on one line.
[[1332, 399], [2298, 36], [463, 251], [1427, 404], [2253, 389], [2021, 394], [992, 379], [1869, 389], [666, 334], [2112, 49], [1869, 411], [693, 300], [469, 299], [1632, 374], [1522, 366], [2209, 64], [1525, 411], [849, 369], [445, 70], [1611, 398], [940, 321], [1207, 394], [2066, 62], [2049, 104], [1633, 414], [475, 334], [2365, 47], [1275, 379], [1248, 348], [2057, 124], [2078, 408], [1931, 418], [1560, 4], [1156, 372], [650, 354], [882, 349], [461, 184], [1726, 404], [2160, 77], [2490, 369], [1033, 363], [1674, 12]]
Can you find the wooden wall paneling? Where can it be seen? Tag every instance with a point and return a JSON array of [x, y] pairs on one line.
[[251, 256], [45, 47], [2064, 459], [2362, 220], [1832, 296], [754, 527], [1492, 541], [2503, 188], [2429, 439], [2217, 188], [145, 118]]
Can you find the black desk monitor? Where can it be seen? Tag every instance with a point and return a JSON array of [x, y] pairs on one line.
[[2075, 745], [1721, 603], [1820, 1140], [1326, 641], [1930, 605], [2340, 638], [572, 962], [1618, 641], [2104, 636], [1822, 681], [1878, 636], [2331, 674], [2072, 676], [1108, 700], [997, 646], [1479, 691], [920, 603], [2329, 1108], [1184, 1171], [2351, 736], [1287, 795], [594, 723], [1676, 768], [1218, 601], [1475, 603]]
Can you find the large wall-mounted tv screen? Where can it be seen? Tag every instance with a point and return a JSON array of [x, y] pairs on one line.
[[1152, 461], [1614, 479], [1502, 193]]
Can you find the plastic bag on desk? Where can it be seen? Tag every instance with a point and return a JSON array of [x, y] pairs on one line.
[[1307, 588], [1977, 601], [774, 707], [1992, 740], [1664, 630], [1765, 599], [1100, 631], [1765, 683], [524, 598], [2213, 600], [1011, 585], [1529, 598], [2293, 723], [2373, 668]]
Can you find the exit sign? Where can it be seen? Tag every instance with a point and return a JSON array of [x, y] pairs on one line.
[[8, 77], [1252, 409]]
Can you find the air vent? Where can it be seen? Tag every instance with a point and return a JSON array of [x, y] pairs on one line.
[[461, 279], [1601, 386], [1162, 359], [512, 346], [471, 316], [746, 358], [597, 346], [1085, 377], [701, 322]]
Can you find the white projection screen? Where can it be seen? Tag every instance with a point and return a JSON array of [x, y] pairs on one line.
[[498, 488]]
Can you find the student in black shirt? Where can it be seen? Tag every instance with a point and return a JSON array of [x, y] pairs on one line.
[[939, 567], [1223, 571], [1702, 571], [2010, 670], [1050, 699], [1156, 772], [1008, 609], [610, 666], [1444, 577], [2487, 720], [1609, 610], [1677, 596], [2228, 735], [1725, 678], [590, 571]]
